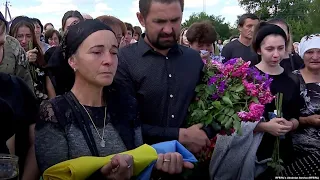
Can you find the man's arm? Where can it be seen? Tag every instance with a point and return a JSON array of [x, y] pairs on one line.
[[155, 134]]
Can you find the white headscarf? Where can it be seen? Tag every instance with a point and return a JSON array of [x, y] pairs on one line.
[[309, 42]]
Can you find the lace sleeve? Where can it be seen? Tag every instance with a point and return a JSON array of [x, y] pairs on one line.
[[51, 145], [47, 113]]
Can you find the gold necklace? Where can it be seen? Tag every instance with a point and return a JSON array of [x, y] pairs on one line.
[[102, 142]]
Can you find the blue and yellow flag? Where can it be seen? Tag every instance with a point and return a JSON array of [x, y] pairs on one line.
[[144, 159]]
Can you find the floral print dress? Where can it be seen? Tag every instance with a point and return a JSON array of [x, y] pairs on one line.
[[306, 139], [38, 75]]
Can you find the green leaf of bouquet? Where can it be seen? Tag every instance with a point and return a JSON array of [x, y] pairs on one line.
[[255, 99], [246, 97], [234, 88], [237, 117], [237, 126], [216, 104], [229, 123], [197, 113], [212, 89], [221, 117], [209, 119], [201, 104], [225, 120], [240, 88], [200, 87], [235, 96], [226, 110], [231, 112], [227, 100]]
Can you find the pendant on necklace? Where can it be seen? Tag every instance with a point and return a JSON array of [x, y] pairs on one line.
[[103, 143]]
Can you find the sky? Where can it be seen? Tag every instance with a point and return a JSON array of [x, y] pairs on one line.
[[53, 10]]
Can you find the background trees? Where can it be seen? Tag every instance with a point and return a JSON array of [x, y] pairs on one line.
[[303, 16]]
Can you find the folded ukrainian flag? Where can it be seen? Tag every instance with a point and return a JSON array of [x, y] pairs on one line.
[[144, 159]]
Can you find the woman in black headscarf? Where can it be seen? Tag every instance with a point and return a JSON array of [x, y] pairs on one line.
[[93, 118]]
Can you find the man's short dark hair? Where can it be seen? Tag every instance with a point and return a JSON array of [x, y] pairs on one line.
[[243, 18], [144, 5]]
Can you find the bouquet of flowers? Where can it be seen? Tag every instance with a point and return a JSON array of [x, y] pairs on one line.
[[229, 93]]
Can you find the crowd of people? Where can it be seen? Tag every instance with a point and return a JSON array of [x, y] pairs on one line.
[[101, 86]]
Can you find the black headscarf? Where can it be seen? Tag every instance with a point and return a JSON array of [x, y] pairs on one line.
[[266, 29], [58, 63]]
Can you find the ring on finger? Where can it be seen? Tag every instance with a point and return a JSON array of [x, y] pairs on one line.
[[129, 166], [166, 160]]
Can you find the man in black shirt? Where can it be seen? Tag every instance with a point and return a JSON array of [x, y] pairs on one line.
[[162, 75], [242, 46]]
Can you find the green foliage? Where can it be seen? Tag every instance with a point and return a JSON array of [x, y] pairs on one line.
[[302, 15], [222, 28]]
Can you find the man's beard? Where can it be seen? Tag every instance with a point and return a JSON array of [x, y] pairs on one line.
[[164, 44]]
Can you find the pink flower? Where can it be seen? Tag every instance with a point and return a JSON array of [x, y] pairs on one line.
[[243, 115], [227, 69], [254, 114], [251, 88], [241, 71], [204, 61], [256, 110], [266, 97]]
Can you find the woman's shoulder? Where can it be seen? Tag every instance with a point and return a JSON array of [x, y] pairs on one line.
[[52, 110]]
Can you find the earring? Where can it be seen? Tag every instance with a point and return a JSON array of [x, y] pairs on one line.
[[74, 69]]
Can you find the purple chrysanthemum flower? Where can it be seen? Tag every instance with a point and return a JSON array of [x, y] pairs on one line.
[[231, 61], [212, 80], [222, 87], [267, 83], [215, 96]]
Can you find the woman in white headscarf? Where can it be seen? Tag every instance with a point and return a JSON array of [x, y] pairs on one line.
[[306, 139]]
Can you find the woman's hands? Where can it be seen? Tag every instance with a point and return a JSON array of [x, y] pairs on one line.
[[279, 126], [120, 168], [32, 55], [172, 163]]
